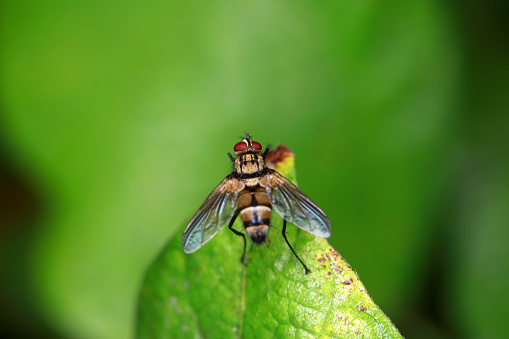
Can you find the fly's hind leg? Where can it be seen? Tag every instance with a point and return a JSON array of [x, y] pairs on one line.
[[230, 226], [284, 236]]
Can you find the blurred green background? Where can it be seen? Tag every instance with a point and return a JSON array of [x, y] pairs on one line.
[[116, 117]]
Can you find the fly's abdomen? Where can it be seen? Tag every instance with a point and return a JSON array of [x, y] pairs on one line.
[[255, 212]]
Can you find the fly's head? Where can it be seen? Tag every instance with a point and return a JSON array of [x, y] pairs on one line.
[[248, 160], [247, 145]]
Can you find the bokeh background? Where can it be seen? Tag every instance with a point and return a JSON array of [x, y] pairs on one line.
[[116, 117]]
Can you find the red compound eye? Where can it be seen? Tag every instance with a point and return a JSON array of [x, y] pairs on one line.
[[256, 145], [240, 146]]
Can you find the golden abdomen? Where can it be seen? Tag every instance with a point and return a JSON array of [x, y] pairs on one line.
[[255, 215], [255, 212]]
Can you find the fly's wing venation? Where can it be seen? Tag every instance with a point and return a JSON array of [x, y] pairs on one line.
[[296, 207], [213, 214]]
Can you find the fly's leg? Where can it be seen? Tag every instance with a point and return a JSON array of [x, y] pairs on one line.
[[284, 236], [307, 270], [232, 159], [230, 226], [266, 153]]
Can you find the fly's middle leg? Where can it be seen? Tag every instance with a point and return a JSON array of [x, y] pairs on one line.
[[230, 226]]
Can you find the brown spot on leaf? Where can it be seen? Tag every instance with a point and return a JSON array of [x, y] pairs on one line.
[[333, 254], [362, 308], [342, 320], [278, 155], [346, 283]]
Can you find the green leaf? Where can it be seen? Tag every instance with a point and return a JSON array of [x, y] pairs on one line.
[[210, 294]]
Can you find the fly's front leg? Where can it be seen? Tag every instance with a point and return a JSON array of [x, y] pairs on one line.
[[266, 153], [232, 159], [230, 226]]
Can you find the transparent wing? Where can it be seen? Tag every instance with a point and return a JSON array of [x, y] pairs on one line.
[[213, 214], [293, 205]]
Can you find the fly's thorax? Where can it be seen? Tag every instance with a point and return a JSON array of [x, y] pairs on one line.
[[251, 182], [249, 164]]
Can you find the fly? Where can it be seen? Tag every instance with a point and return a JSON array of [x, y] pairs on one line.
[[252, 190]]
